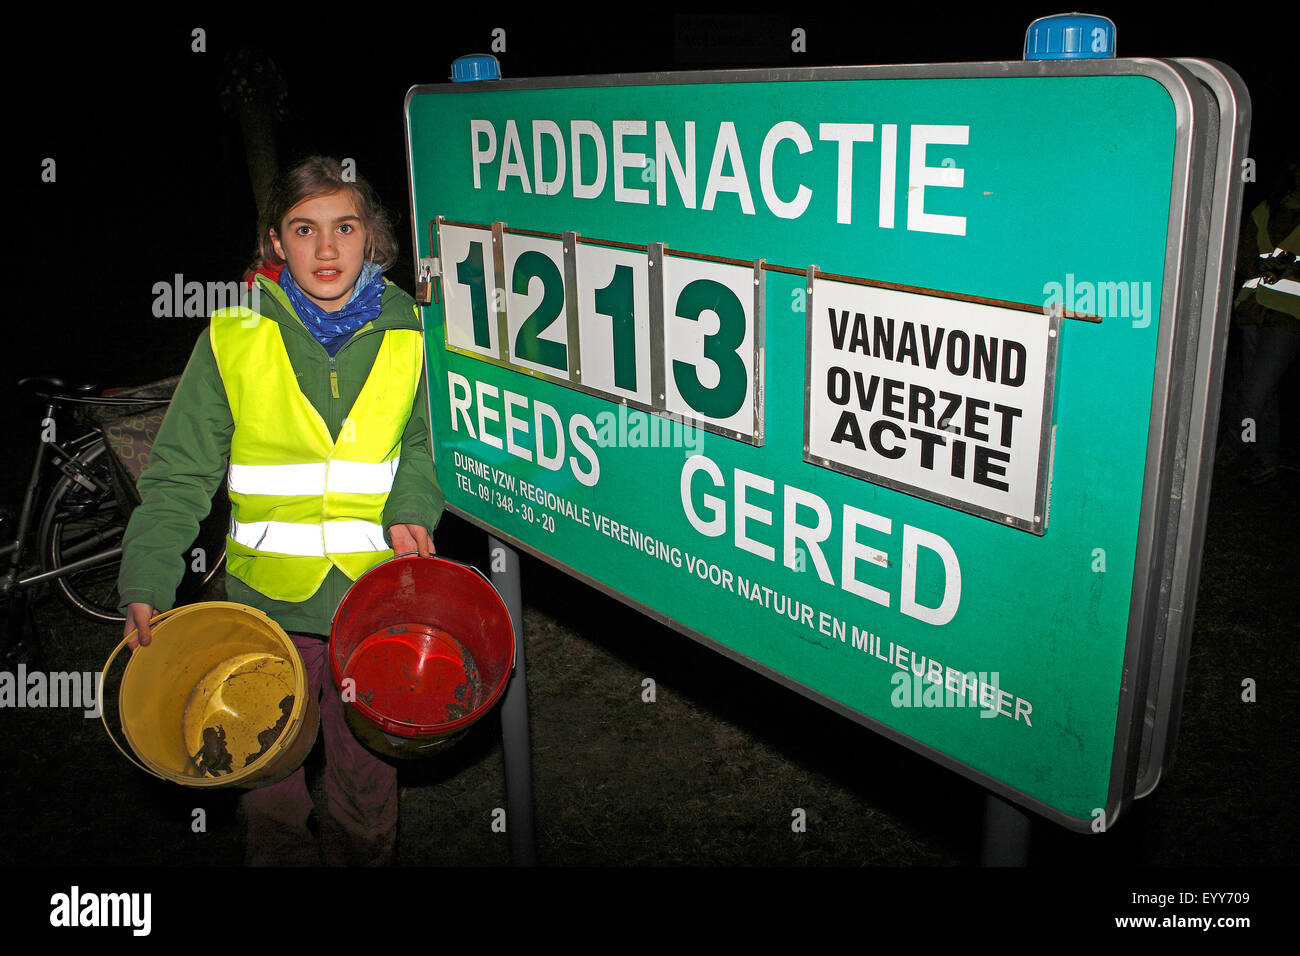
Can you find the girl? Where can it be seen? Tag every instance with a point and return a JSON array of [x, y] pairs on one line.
[[313, 404]]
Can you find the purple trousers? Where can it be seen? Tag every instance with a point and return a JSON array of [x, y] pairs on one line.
[[359, 826]]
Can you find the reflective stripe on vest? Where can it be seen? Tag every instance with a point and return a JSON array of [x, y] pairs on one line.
[[302, 501], [357, 477], [309, 540], [1284, 286], [1284, 294], [1281, 286]]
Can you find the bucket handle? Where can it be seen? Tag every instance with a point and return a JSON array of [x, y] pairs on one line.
[[103, 678], [460, 564]]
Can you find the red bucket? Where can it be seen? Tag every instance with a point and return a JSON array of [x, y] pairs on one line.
[[428, 646]]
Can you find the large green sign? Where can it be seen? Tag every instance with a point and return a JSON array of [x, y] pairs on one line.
[[859, 375]]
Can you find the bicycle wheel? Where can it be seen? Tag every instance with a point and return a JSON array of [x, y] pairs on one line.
[[82, 518], [80, 521]]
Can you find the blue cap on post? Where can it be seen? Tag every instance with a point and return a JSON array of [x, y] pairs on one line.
[[476, 66], [1070, 36]]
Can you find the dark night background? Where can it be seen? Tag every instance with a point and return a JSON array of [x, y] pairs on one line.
[[152, 177]]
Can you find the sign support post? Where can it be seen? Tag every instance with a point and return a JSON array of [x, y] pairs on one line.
[[504, 562], [1004, 837]]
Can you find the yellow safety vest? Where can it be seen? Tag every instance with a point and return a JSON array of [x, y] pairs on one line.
[[300, 501], [1284, 294]]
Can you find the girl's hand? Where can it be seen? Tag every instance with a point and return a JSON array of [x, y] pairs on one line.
[[411, 537], [137, 620]]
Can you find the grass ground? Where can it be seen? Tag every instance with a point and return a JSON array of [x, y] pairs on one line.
[[711, 771]]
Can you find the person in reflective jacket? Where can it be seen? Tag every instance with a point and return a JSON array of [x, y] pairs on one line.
[[310, 400]]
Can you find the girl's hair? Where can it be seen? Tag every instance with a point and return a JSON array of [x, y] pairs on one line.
[[320, 176]]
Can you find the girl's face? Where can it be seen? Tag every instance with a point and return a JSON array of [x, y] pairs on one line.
[[324, 242]]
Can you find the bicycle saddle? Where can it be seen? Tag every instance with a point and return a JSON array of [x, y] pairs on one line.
[[43, 385]]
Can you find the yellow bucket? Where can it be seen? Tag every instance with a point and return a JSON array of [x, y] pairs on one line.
[[219, 698]]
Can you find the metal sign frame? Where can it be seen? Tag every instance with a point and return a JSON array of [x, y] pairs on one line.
[[1220, 218]]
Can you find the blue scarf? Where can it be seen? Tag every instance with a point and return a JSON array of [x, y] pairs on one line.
[[333, 329]]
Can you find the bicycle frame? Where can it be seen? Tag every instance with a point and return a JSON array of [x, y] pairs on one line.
[[63, 458]]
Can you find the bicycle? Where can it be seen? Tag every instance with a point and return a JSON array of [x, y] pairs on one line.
[[78, 537]]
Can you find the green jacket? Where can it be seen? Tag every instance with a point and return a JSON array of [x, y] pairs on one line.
[[192, 452]]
